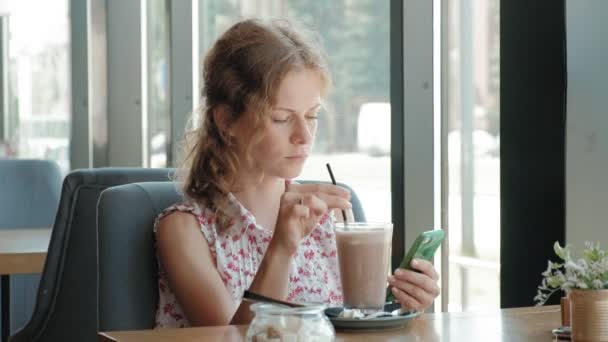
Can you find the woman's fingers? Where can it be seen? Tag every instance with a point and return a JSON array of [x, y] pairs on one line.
[[334, 196], [407, 302], [335, 202], [418, 294], [317, 206], [419, 280], [305, 208], [418, 290], [425, 267], [320, 188]]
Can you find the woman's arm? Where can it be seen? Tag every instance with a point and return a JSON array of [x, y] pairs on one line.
[[186, 259]]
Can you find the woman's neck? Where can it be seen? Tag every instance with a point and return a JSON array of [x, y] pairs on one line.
[[263, 200]]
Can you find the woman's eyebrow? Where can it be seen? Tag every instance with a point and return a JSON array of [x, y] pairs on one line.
[[295, 111]]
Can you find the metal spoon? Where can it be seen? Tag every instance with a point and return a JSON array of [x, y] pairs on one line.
[[396, 312], [254, 297]]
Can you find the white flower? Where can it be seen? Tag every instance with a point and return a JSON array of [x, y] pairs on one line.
[[588, 272], [598, 284], [574, 267]]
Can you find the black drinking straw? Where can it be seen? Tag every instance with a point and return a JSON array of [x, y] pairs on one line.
[[333, 180]]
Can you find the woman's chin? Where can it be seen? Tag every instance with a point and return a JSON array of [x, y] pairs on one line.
[[291, 172]]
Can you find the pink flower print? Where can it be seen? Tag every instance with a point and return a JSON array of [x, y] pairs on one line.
[[294, 279], [223, 244], [323, 219], [307, 243], [252, 239], [242, 253], [259, 250], [235, 238], [266, 239], [332, 253], [303, 272], [162, 286], [177, 316], [201, 220], [168, 308], [309, 254], [251, 226], [327, 235], [232, 266], [334, 297]]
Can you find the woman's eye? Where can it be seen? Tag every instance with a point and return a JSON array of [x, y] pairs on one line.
[[312, 117], [280, 120]]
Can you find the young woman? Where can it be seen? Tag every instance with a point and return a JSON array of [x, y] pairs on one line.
[[245, 224]]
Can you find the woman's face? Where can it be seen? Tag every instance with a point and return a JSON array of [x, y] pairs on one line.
[[290, 127]]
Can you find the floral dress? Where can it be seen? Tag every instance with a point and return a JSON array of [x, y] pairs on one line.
[[238, 250]]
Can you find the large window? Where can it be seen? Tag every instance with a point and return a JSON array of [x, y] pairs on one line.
[[37, 116], [158, 114], [354, 131], [473, 162]]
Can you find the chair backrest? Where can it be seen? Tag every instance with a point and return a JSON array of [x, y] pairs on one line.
[[29, 197], [128, 293], [128, 270], [66, 306], [29, 194]]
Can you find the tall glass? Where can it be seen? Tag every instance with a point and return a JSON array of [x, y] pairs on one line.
[[364, 253]]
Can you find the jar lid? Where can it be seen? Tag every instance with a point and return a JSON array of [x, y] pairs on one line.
[[276, 309]]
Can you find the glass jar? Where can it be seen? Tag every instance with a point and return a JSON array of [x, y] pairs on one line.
[[279, 323]]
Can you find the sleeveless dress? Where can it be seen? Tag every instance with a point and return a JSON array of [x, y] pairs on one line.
[[238, 250]]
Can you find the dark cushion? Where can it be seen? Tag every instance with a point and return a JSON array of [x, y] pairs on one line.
[[128, 293], [66, 306]]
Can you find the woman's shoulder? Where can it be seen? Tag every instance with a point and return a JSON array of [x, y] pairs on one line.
[[184, 213]]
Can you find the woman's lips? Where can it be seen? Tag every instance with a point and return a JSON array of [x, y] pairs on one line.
[[299, 156]]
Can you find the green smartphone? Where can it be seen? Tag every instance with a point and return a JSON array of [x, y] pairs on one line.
[[424, 247]]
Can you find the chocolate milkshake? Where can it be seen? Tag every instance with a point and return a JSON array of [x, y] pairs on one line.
[[363, 254]]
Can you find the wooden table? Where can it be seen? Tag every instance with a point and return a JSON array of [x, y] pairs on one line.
[[22, 251], [521, 324]]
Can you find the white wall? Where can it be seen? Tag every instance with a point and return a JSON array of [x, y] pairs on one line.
[[587, 122]]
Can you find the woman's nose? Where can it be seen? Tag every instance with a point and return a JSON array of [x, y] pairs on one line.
[[302, 133]]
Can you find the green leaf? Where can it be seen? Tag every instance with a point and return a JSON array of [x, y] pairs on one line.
[[559, 251]]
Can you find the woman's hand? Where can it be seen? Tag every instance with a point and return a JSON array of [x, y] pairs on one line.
[[302, 206], [415, 290]]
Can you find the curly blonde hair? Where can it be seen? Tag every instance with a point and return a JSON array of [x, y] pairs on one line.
[[241, 74]]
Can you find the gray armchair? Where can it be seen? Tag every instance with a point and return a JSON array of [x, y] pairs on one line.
[[29, 197], [66, 305], [128, 293]]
